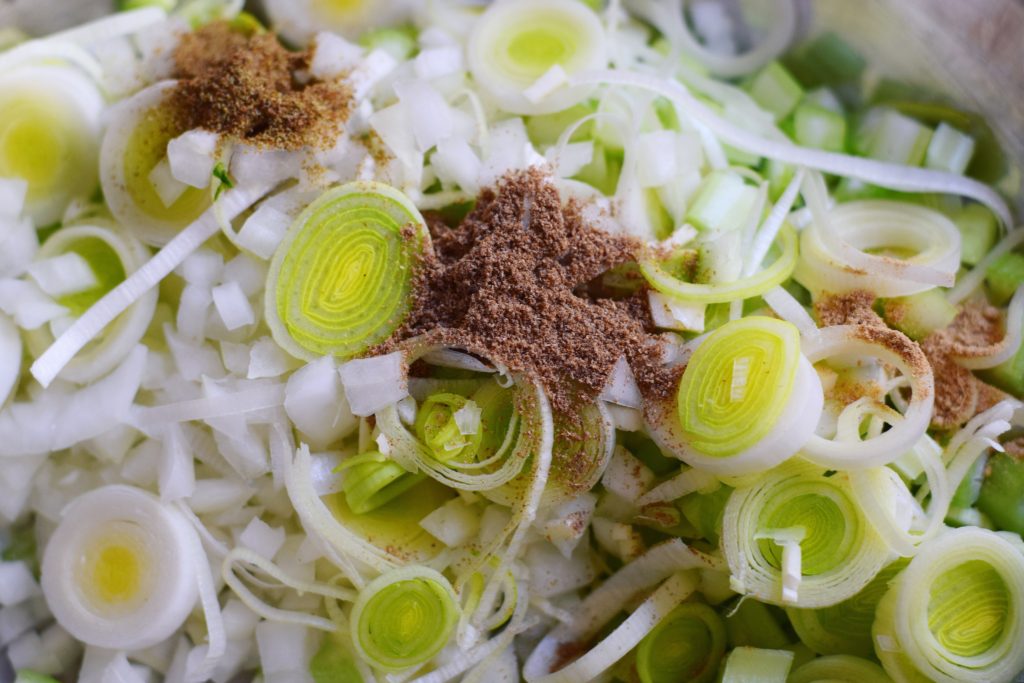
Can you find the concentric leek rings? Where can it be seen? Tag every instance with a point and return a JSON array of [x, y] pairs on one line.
[[737, 385], [341, 280], [404, 618]]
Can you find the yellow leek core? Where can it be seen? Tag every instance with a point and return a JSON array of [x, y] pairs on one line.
[[737, 385]]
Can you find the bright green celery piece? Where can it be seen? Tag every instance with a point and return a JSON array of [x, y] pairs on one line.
[[166, 5], [978, 231], [1004, 276], [399, 42], [919, 315], [970, 488], [603, 170], [1002, 493], [755, 624], [1009, 376], [334, 663], [28, 676], [775, 89], [754, 665], [816, 126], [722, 203], [949, 150], [888, 135], [826, 60]]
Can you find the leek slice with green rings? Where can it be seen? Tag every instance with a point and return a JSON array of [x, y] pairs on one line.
[[341, 281], [521, 52], [686, 646], [839, 669], [509, 425], [134, 143], [798, 537], [845, 628], [660, 276], [49, 124], [403, 618], [956, 613], [747, 400], [111, 255]]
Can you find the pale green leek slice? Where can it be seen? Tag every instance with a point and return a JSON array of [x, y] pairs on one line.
[[660, 276], [797, 536], [341, 281], [737, 384], [516, 43], [956, 613], [49, 123], [403, 618], [686, 646]]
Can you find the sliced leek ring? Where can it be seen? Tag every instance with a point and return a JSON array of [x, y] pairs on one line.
[[341, 281]]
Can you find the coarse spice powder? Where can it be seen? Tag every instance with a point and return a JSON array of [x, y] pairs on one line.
[[512, 279], [251, 89]]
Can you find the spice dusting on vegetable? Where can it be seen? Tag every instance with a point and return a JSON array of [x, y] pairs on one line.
[[253, 90]]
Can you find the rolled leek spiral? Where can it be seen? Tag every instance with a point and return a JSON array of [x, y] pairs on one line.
[[403, 618], [957, 612], [341, 280], [797, 536]]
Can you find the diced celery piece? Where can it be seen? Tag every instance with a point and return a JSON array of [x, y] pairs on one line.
[[127, 5], [978, 230], [1004, 276], [722, 203], [919, 315], [890, 136], [816, 126], [775, 89], [826, 60], [751, 665], [970, 488], [603, 170], [27, 676], [826, 98], [1009, 376], [950, 150], [1002, 492]]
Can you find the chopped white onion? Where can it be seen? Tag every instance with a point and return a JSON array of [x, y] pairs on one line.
[[262, 538], [621, 387], [67, 273], [316, 404], [264, 230], [373, 383], [232, 305], [192, 156], [436, 62], [333, 56], [455, 523]]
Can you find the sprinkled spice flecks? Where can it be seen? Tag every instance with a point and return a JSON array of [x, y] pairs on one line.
[[253, 90], [511, 279]]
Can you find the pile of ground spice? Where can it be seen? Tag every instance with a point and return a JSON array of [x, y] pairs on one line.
[[512, 279], [251, 89], [850, 308]]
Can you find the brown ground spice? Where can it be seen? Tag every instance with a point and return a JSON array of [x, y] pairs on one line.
[[253, 90], [959, 395], [851, 308], [511, 279]]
